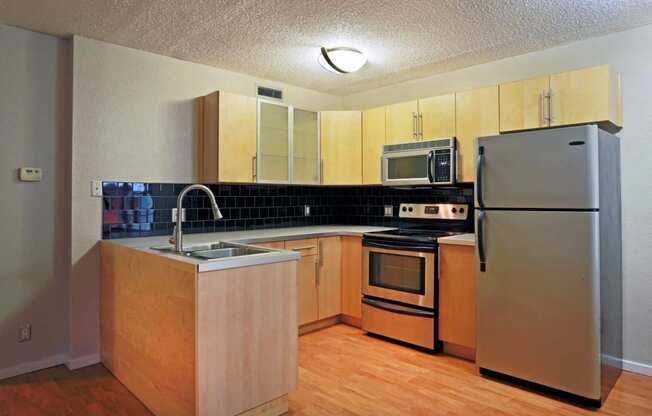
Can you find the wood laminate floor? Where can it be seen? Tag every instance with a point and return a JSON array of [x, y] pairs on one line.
[[342, 372]]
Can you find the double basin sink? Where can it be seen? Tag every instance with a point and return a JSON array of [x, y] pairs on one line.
[[214, 251]]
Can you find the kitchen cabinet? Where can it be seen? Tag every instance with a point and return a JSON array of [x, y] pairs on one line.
[[423, 119], [226, 145], [585, 96], [476, 115], [307, 283], [437, 117], [589, 95], [352, 276], [305, 147], [523, 104], [341, 147], [457, 294], [273, 142], [401, 122], [279, 245], [330, 277], [373, 140]]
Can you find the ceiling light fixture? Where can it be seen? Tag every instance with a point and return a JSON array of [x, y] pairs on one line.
[[342, 60]]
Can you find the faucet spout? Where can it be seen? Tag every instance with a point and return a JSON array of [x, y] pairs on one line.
[[177, 237]]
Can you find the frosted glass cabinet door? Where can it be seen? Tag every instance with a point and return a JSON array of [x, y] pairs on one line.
[[305, 147], [273, 139]]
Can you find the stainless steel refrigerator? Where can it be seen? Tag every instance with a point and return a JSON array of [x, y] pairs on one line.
[[549, 286]]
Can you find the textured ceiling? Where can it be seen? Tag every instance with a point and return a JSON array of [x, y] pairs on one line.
[[280, 40]]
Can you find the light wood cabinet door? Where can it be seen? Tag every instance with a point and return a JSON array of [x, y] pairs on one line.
[[341, 147], [308, 292], [352, 276], [278, 245], [437, 117], [476, 114], [373, 139], [522, 104], [401, 122], [330, 277], [457, 294], [586, 95], [226, 138]]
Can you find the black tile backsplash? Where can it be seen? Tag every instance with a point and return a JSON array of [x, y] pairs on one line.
[[136, 209]]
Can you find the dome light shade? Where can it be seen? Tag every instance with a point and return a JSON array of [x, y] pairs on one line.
[[342, 60]]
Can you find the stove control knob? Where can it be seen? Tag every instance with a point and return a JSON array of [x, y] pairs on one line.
[[454, 210], [404, 209], [410, 209], [461, 210]]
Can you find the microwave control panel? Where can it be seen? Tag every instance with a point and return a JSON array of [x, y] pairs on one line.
[[434, 211]]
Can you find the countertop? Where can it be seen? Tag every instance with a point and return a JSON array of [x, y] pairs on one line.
[[460, 239], [245, 237]]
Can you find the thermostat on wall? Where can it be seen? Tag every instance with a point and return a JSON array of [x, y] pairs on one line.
[[30, 174]]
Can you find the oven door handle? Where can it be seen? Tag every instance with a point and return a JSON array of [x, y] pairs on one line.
[[403, 310], [390, 246]]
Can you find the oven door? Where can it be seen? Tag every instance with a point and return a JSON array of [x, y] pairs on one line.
[[401, 274], [409, 167]]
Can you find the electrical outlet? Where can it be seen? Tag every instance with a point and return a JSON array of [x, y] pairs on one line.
[[25, 333], [96, 188], [306, 210], [30, 174], [389, 211], [175, 214]]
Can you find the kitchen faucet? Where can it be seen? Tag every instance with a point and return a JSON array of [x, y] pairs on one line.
[[177, 234]]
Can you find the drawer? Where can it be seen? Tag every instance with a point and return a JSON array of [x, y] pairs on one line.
[[399, 324], [279, 245], [307, 247]]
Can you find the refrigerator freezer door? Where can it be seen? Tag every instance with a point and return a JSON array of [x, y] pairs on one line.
[[538, 308], [554, 169]]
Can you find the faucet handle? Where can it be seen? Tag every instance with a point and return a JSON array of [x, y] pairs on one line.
[[173, 239]]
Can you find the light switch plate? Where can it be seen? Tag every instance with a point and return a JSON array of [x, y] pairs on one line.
[[389, 211], [30, 174], [306, 210], [96, 188]]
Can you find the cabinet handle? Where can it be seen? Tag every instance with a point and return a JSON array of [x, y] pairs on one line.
[[319, 251], [546, 107], [415, 135], [254, 168], [421, 125], [321, 170], [550, 117], [303, 248], [317, 273]]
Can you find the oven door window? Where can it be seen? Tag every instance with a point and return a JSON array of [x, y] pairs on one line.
[[408, 167], [396, 272]]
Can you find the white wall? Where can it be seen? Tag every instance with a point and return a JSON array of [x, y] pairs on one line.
[[34, 131], [134, 119], [630, 53]]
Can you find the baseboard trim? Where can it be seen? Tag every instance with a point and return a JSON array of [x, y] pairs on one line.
[[83, 361], [32, 366], [636, 367]]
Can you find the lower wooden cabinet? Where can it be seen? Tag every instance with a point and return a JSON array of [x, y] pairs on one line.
[[308, 291], [329, 277], [352, 276], [457, 294]]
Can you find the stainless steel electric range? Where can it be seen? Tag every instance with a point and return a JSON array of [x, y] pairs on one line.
[[400, 272]]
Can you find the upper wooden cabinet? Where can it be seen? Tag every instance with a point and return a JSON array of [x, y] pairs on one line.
[[590, 95], [586, 96], [401, 122], [476, 115], [523, 104], [341, 147], [305, 147], [373, 139], [457, 294], [226, 138], [436, 117], [423, 119]]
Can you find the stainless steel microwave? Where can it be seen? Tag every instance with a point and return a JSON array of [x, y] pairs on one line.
[[430, 162]]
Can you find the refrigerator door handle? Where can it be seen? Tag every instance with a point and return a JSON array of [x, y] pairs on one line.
[[478, 179], [482, 257]]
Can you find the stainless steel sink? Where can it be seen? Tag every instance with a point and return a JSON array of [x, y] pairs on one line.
[[214, 251]]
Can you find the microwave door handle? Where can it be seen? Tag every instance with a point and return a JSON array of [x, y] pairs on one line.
[[479, 179], [482, 255], [430, 158]]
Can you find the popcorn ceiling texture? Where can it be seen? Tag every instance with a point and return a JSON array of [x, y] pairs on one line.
[[279, 39]]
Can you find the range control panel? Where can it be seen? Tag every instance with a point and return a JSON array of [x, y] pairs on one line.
[[434, 211]]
